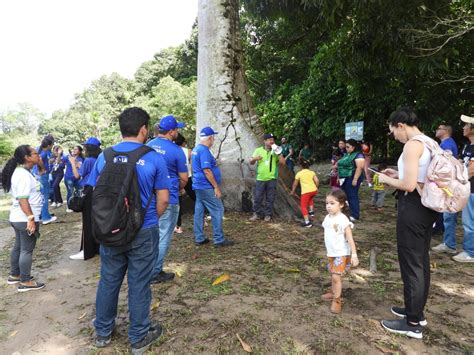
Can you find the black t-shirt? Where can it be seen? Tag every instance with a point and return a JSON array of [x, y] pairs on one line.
[[466, 155]]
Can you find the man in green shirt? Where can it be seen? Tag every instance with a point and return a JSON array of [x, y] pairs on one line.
[[267, 174]]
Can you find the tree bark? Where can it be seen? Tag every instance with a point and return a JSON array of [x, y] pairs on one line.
[[223, 102]]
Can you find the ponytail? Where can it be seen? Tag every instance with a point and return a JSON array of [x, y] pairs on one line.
[[18, 158]]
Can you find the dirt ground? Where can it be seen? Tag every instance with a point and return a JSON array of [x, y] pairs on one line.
[[272, 300]]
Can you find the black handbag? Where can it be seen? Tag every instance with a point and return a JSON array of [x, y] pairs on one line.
[[76, 202]]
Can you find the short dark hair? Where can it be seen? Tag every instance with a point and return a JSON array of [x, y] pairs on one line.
[[46, 142], [404, 115], [305, 164], [131, 120], [92, 150], [180, 140], [354, 143], [382, 166]]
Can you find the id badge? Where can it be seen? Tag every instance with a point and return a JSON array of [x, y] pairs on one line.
[[267, 163]]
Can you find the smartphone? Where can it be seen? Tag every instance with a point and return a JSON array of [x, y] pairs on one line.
[[374, 170]]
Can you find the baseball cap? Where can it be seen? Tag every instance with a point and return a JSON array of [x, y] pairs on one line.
[[92, 141], [168, 123], [467, 119], [207, 131], [268, 136]]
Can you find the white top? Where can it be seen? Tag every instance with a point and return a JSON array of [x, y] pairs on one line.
[[188, 163], [334, 237], [24, 185], [423, 163]]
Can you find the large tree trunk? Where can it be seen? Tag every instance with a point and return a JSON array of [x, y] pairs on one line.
[[224, 104]]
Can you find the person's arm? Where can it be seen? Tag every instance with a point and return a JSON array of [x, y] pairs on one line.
[[411, 156], [183, 180], [75, 171], [162, 199], [212, 181], [26, 208], [293, 188], [281, 159], [470, 168], [359, 169], [316, 180], [254, 159], [350, 240]]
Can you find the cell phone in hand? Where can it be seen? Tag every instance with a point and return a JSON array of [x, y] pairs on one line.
[[376, 171]]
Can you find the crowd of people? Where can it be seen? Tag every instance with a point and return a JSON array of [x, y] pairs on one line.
[[169, 169]]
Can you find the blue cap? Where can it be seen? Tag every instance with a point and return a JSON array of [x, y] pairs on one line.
[[92, 141], [207, 131], [168, 123]]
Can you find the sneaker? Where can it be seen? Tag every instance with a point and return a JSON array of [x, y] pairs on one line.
[[267, 218], [225, 243], [401, 312], [59, 204], [52, 219], [463, 257], [178, 230], [78, 256], [400, 326], [311, 214], [208, 217], [154, 333], [205, 241], [253, 218], [352, 219], [53, 204], [307, 224], [30, 286], [13, 280], [68, 210], [162, 277], [102, 342], [370, 185], [443, 248]]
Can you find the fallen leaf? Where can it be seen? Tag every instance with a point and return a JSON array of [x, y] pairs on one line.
[[12, 334], [155, 306], [82, 316], [293, 270], [246, 346], [220, 279], [178, 273]]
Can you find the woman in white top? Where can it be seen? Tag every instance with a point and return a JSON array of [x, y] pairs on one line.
[[24, 215], [414, 224]]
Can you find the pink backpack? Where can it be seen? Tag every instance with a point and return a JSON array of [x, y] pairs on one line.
[[447, 187]]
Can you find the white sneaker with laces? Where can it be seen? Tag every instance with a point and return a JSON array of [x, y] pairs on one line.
[[68, 210], [78, 256], [52, 219], [463, 257], [59, 204], [53, 204], [443, 248]]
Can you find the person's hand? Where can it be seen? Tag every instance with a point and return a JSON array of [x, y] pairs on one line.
[[354, 182], [292, 193], [182, 192], [390, 173], [383, 178], [354, 260], [72, 159], [257, 158], [218, 192], [30, 227], [470, 168]]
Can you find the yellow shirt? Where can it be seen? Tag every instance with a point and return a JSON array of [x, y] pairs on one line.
[[378, 186], [305, 177]]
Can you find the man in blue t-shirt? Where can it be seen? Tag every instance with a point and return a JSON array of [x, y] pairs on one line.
[[139, 256], [446, 222], [178, 173], [44, 171], [206, 184]]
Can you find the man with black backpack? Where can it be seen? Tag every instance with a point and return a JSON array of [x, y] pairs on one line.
[[130, 193]]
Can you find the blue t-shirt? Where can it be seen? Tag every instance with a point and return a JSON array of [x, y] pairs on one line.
[[45, 156], [69, 175], [85, 170], [450, 144], [175, 161], [152, 175], [202, 159]]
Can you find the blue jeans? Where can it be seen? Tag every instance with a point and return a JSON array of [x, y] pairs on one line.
[[44, 181], [206, 199], [139, 258], [352, 193], [71, 185], [167, 223], [449, 221], [468, 224]]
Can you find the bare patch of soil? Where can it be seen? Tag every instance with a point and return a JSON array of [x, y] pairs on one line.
[[272, 300]]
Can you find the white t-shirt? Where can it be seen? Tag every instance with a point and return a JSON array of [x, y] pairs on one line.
[[188, 163], [423, 164], [24, 185], [334, 238]]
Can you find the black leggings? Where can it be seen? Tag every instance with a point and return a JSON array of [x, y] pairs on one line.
[[414, 229], [189, 190]]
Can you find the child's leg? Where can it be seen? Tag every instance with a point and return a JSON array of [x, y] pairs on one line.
[[336, 280], [311, 203], [380, 199], [304, 207]]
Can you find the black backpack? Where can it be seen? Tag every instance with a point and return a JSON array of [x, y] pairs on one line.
[[117, 213]]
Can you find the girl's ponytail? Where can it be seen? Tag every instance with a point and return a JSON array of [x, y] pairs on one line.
[[17, 159]]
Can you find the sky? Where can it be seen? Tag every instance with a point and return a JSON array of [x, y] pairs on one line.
[[52, 49]]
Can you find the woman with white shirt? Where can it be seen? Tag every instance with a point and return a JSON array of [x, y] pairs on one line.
[[414, 224], [24, 215]]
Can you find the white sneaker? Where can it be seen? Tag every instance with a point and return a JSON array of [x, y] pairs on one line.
[[59, 204], [53, 204], [68, 210], [463, 257], [78, 256], [443, 248], [52, 219], [178, 230]]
